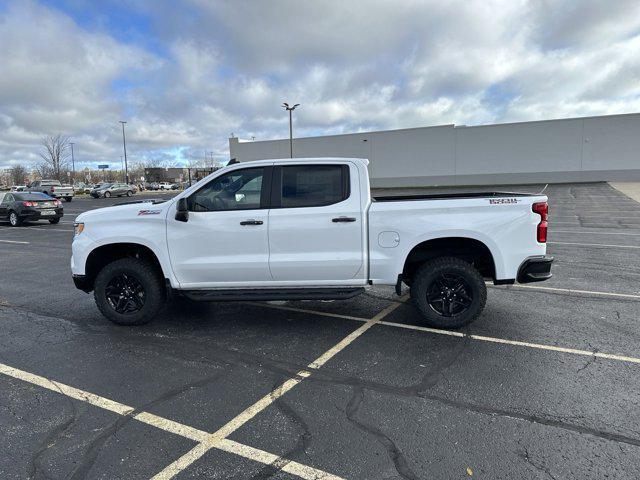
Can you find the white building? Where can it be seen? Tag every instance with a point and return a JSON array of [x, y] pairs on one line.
[[569, 150]]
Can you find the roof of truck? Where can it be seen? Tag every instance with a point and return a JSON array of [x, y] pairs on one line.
[[309, 159]]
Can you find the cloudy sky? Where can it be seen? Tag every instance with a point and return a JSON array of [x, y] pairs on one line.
[[187, 74]]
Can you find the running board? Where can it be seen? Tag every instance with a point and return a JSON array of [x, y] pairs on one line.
[[271, 294]]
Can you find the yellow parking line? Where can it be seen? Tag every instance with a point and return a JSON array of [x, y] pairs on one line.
[[216, 438], [167, 425]]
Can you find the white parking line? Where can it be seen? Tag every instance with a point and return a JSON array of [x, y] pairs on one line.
[[504, 341], [593, 217], [167, 425], [595, 233], [214, 440], [14, 241], [454, 333], [568, 290], [44, 228], [593, 245]]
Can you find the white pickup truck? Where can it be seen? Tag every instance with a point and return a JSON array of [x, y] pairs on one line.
[[53, 188], [300, 229]]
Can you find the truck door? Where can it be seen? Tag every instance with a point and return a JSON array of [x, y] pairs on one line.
[[315, 224], [224, 243]]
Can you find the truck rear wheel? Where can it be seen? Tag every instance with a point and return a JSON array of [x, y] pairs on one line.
[[129, 292], [449, 292]]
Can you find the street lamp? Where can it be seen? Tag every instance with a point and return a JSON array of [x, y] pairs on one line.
[[290, 109], [124, 146], [73, 165]]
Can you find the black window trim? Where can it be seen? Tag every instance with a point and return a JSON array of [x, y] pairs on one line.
[[265, 192], [276, 184]]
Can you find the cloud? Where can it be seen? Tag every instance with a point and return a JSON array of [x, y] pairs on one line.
[[188, 74]]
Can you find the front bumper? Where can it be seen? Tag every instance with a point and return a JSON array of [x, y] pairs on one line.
[[535, 269], [82, 283]]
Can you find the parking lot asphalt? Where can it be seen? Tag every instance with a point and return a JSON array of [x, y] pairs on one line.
[[543, 385]]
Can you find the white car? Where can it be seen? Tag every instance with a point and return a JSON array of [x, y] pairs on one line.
[[308, 229], [165, 186]]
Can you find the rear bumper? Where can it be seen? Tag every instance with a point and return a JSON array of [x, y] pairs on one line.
[[535, 269], [35, 215]]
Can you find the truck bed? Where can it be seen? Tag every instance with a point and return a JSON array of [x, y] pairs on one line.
[[441, 196]]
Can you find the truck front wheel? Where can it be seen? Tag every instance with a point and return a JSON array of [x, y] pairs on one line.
[[129, 291], [449, 292]]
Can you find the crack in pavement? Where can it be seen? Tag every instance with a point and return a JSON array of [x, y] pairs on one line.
[[91, 452], [395, 454], [294, 453]]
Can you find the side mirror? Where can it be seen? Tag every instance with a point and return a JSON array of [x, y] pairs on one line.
[[182, 210]]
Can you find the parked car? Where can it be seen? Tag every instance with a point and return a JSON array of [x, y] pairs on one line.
[[152, 186], [165, 186], [18, 188], [52, 188], [308, 229], [175, 186], [18, 207], [107, 190], [81, 187]]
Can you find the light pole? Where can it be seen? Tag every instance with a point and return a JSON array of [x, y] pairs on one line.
[[73, 166], [124, 146], [123, 172], [290, 110]]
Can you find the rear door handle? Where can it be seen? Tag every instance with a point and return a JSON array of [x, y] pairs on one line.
[[343, 219], [251, 222]]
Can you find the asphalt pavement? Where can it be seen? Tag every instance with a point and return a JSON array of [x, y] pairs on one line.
[[543, 385]]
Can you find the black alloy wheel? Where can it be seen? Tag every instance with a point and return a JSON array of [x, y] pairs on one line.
[[449, 292], [449, 295], [129, 291], [125, 294]]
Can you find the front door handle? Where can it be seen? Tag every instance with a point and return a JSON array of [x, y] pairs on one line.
[[251, 222], [343, 219]]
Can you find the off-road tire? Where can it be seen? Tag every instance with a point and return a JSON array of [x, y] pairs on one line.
[[431, 271], [68, 199], [147, 275]]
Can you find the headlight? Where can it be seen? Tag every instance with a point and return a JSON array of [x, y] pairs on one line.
[[78, 228]]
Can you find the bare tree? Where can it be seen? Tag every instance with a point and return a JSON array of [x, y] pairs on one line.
[[18, 174], [55, 158]]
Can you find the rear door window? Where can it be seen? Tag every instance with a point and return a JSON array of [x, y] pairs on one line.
[[314, 185]]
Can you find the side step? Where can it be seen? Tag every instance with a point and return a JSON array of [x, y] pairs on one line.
[[271, 294]]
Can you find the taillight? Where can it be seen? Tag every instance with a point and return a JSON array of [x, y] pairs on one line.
[[30, 204], [542, 209], [58, 202]]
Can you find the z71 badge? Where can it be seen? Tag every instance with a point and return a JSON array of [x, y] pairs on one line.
[[148, 212], [498, 201]]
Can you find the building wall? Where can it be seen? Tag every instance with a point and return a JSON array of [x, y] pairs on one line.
[[569, 150]]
